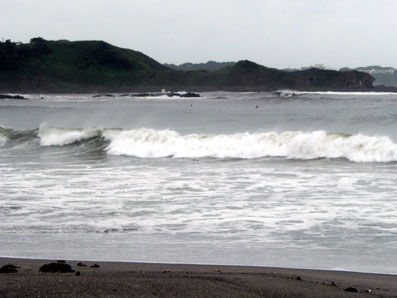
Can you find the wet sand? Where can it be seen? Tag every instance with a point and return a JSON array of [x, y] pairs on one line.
[[116, 279]]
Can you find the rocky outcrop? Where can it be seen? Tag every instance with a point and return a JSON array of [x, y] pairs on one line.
[[6, 96]]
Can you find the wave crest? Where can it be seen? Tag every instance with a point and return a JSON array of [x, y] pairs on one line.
[[151, 143], [54, 136]]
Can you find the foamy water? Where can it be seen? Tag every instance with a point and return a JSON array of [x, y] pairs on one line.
[[291, 183]]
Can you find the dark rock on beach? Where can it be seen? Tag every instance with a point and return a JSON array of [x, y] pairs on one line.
[[350, 289], [56, 267], [9, 268]]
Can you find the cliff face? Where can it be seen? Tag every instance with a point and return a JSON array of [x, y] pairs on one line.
[[87, 66]]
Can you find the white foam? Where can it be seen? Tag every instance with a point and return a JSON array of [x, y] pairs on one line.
[[289, 144], [290, 93], [53, 136], [3, 140]]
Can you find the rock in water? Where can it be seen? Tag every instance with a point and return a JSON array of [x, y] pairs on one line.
[[189, 94], [103, 95], [56, 267], [6, 96]]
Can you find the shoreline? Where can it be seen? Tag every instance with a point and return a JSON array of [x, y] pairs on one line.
[[144, 89], [116, 94], [131, 279]]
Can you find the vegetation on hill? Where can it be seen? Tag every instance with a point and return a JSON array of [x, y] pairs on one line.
[[96, 66], [209, 66]]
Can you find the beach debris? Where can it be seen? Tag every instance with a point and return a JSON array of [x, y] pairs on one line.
[[77, 273], [368, 291], [333, 284], [351, 289], [56, 267], [81, 265], [218, 270], [298, 278], [95, 266], [9, 268]]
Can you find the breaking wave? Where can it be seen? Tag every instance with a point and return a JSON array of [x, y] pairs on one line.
[[54, 136], [151, 143], [289, 144], [3, 140], [291, 93]]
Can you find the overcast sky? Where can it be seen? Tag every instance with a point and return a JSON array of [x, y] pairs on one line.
[[275, 33]]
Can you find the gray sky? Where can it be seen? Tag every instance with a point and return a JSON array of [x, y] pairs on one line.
[[275, 33]]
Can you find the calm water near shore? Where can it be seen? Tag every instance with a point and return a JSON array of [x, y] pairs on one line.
[[303, 180]]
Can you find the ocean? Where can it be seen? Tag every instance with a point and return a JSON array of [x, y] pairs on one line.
[[288, 179]]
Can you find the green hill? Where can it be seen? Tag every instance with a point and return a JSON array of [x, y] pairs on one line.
[[80, 65], [96, 66]]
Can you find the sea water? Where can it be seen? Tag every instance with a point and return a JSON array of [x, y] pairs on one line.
[[293, 179]]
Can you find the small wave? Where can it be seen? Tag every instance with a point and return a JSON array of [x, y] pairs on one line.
[[53, 136], [10, 135]]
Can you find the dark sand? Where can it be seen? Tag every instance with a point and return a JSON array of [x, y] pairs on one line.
[[113, 279]]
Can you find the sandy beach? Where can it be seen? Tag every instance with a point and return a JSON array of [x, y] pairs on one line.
[[116, 279]]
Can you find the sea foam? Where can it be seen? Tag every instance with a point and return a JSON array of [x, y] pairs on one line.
[[3, 140], [285, 93]]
